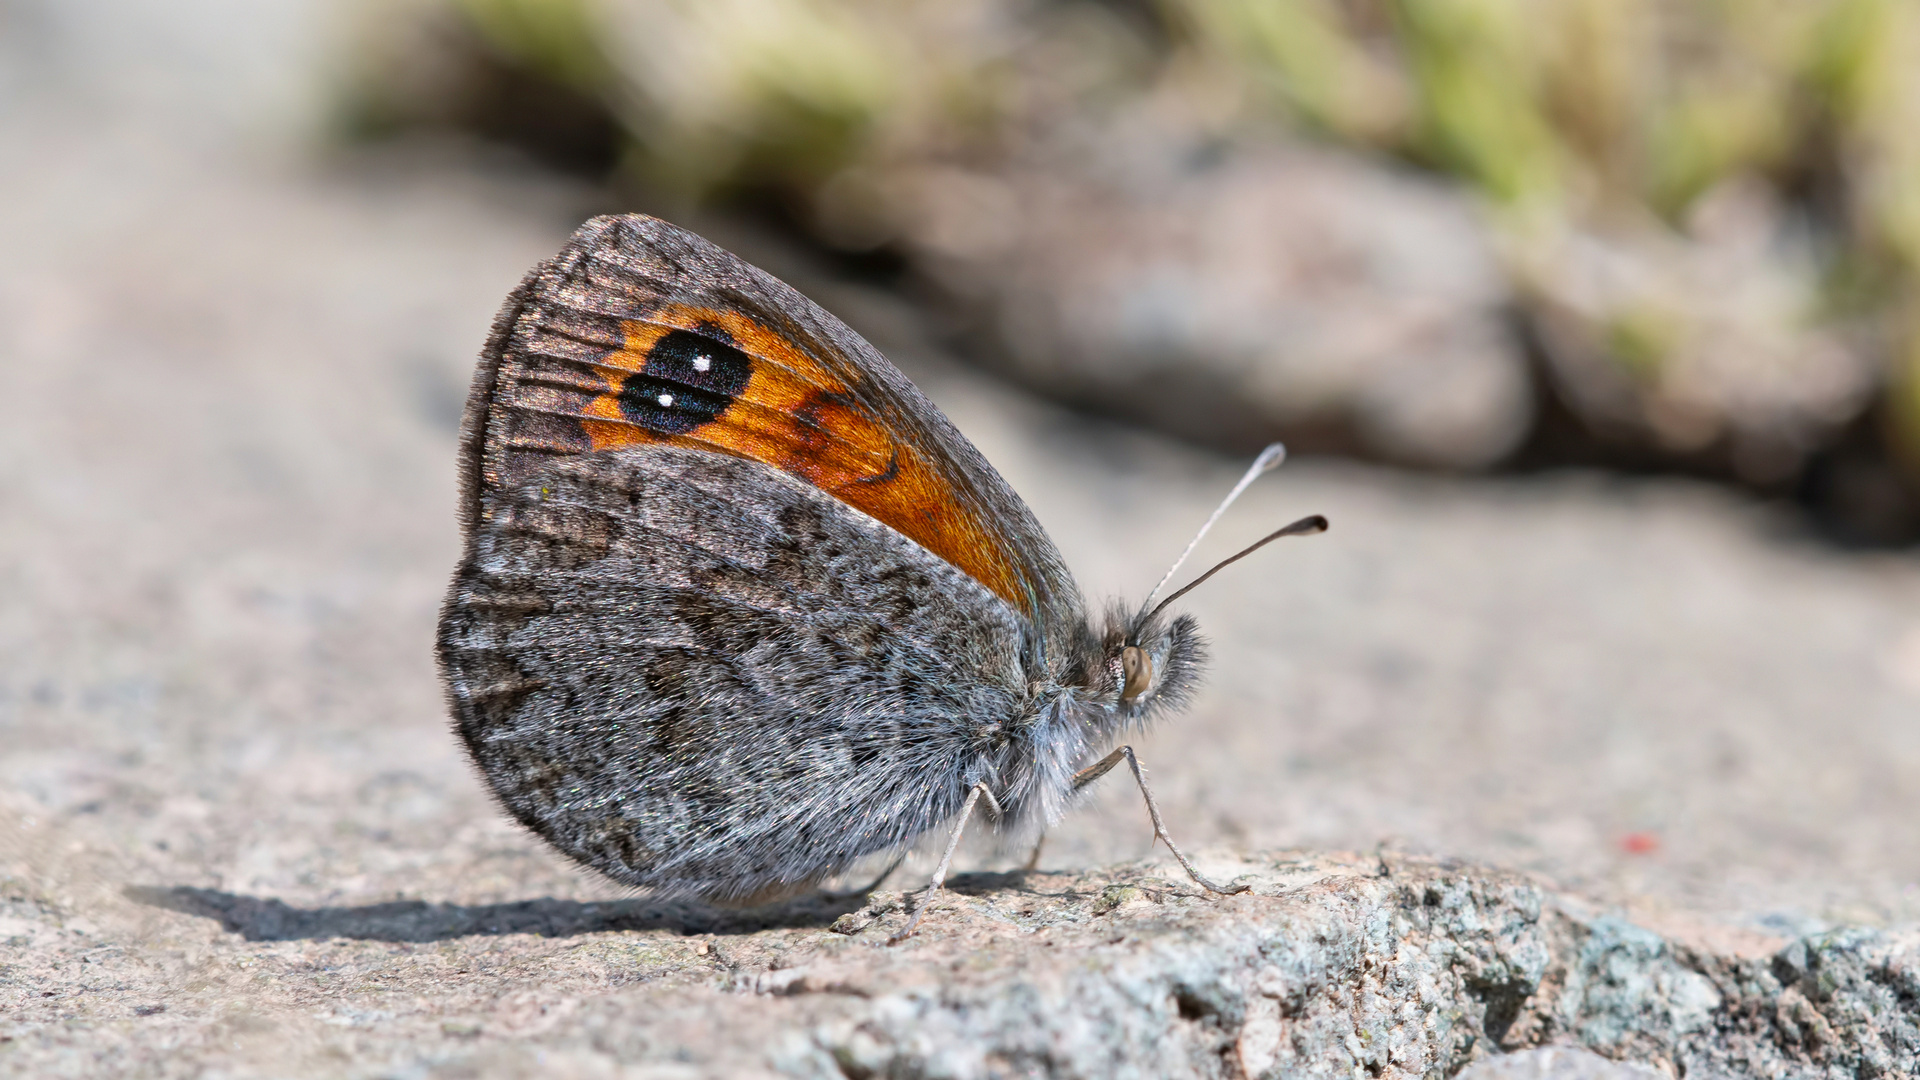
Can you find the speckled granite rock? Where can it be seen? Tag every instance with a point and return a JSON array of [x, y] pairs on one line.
[[1558, 1063], [1331, 966]]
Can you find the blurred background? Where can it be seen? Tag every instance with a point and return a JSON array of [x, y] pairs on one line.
[[1456, 234], [1592, 323]]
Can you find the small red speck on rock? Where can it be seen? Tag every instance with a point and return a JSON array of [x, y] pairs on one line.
[[1639, 843]]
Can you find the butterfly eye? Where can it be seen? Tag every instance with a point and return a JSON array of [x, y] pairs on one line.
[[1137, 666]]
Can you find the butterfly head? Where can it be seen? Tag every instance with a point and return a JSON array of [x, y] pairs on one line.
[[1149, 663]]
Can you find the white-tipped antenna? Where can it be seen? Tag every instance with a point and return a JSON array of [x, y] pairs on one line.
[[1269, 459]]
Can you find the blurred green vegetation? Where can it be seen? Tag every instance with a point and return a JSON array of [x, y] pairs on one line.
[[1565, 116], [1596, 111], [1576, 104]]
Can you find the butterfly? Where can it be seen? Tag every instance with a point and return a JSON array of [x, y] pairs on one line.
[[739, 608]]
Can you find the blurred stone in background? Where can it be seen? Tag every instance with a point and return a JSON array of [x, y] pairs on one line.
[[1691, 229], [1234, 296], [1700, 346]]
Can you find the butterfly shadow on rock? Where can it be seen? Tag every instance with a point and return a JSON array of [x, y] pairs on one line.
[[267, 919]]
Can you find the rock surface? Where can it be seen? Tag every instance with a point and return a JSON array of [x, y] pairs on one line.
[[1557, 1063], [1330, 966]]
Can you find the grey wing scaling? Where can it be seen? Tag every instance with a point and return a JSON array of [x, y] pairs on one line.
[[700, 675]]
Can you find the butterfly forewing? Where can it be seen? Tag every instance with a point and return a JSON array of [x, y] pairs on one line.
[[640, 333]]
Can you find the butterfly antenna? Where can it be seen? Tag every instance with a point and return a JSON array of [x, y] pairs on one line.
[[1306, 526], [1269, 459]]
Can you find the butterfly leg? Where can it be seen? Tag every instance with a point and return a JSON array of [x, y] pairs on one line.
[[1033, 860], [953, 844], [1105, 765]]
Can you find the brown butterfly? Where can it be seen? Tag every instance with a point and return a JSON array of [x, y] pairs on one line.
[[740, 608]]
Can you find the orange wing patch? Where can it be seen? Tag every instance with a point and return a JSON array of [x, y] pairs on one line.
[[716, 380]]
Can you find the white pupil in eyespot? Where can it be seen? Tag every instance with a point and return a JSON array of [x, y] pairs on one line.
[[665, 399], [702, 362]]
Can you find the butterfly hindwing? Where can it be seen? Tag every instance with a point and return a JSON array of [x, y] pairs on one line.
[[696, 673], [640, 333]]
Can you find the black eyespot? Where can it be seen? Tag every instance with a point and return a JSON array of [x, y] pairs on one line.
[[689, 380]]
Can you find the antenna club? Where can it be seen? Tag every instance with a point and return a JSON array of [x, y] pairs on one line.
[[1306, 526], [1270, 458]]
